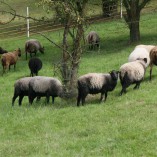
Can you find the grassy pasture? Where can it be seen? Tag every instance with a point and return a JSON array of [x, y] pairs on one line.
[[122, 126]]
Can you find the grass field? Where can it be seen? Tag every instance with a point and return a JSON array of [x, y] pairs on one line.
[[121, 127]]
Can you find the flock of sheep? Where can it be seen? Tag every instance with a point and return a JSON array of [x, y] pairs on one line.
[[92, 83]]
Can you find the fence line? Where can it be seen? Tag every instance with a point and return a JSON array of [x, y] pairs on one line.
[[21, 30]]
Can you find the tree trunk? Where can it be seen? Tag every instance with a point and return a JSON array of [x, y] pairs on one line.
[[133, 19], [65, 55], [77, 51], [133, 9], [134, 32]]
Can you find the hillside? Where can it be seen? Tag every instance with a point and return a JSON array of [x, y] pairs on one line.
[[123, 126]]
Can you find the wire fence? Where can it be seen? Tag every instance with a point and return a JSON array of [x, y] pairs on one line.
[[20, 30]]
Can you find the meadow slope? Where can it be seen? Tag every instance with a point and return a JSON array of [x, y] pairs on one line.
[[122, 126]]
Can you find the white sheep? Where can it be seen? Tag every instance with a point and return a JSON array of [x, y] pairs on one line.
[[94, 83], [44, 86], [147, 47], [132, 72], [141, 51]]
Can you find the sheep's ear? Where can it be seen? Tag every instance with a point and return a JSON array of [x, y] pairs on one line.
[[145, 60]]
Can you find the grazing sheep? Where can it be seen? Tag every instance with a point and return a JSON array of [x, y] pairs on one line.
[[147, 47], [141, 51], [10, 58], [21, 88], [93, 83], [153, 59], [44, 86], [132, 72], [32, 46], [2, 50], [93, 40], [35, 64]]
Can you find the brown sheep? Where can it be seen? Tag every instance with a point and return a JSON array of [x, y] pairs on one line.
[[153, 59], [10, 58]]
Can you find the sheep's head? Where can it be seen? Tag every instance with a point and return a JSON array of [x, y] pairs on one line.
[[114, 74]]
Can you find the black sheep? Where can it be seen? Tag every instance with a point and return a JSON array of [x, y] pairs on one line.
[[3, 51], [35, 64]]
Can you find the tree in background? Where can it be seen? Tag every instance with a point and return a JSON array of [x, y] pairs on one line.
[[132, 18]]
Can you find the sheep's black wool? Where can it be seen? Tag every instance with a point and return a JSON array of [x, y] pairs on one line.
[[35, 64]]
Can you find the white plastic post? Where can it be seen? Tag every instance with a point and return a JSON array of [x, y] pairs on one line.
[[121, 9], [27, 22]]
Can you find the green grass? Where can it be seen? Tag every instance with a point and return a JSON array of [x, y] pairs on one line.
[[123, 126]]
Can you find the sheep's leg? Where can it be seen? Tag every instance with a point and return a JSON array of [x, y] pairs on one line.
[[53, 99], [4, 69], [31, 73], [31, 98], [7, 66], [14, 66], [13, 99], [26, 55], [123, 90], [78, 99], [83, 98], [20, 99], [137, 85], [47, 98], [103, 97], [151, 66], [38, 98]]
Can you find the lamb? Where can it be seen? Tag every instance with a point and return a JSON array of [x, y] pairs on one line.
[[10, 58], [35, 64], [93, 83], [2, 50], [32, 46], [93, 40], [153, 60], [132, 72], [44, 86], [21, 88], [141, 51]]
